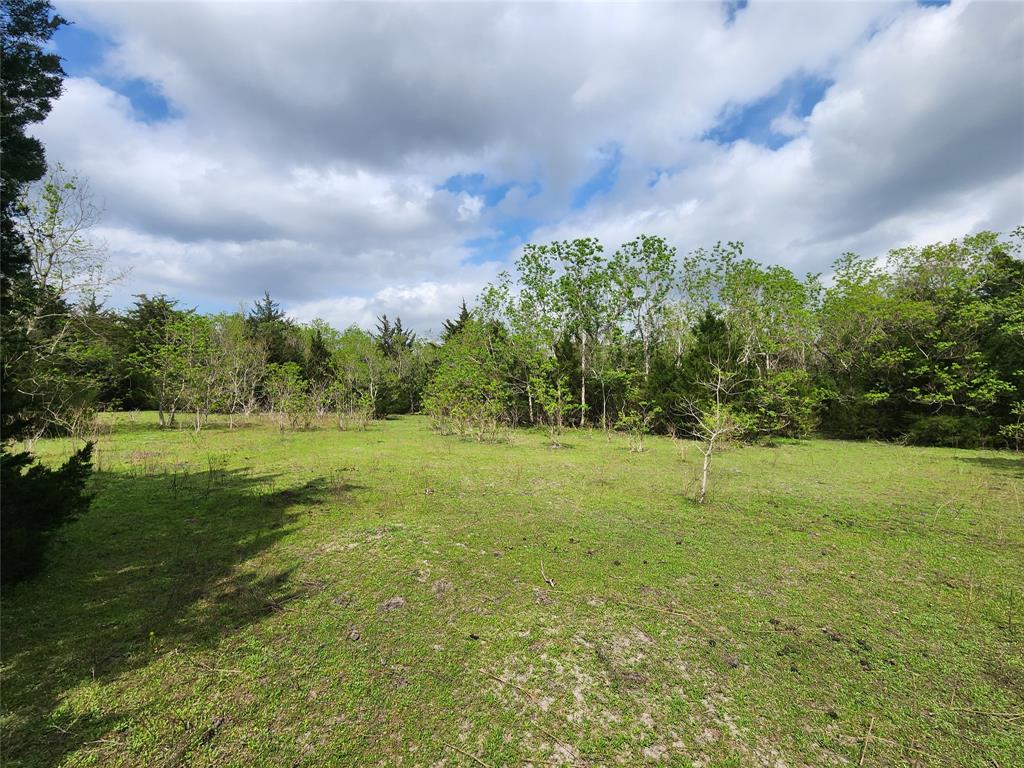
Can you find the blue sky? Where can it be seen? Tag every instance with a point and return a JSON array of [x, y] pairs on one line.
[[83, 51], [353, 167]]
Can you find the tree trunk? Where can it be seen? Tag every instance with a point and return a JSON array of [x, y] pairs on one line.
[[704, 477], [647, 357], [583, 378], [604, 406]]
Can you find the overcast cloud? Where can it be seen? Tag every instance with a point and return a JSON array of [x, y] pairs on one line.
[[357, 159]]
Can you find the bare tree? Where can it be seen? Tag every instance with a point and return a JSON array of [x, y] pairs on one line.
[[243, 362], [56, 216], [67, 265], [714, 421]]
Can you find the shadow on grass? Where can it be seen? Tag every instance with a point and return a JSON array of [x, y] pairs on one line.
[[158, 564], [1005, 464]]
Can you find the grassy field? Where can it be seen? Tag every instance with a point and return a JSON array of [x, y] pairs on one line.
[[252, 597]]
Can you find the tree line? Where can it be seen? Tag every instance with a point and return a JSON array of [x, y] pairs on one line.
[[925, 346]]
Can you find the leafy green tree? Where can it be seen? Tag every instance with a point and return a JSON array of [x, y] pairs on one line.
[[644, 272], [318, 369], [187, 370], [37, 501], [639, 415], [551, 390], [145, 327], [288, 393], [242, 362], [583, 290], [359, 368], [468, 395], [924, 346]]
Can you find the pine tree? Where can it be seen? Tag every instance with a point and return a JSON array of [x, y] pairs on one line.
[[452, 328], [36, 499]]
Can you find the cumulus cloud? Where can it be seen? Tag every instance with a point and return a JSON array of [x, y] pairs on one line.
[[308, 147]]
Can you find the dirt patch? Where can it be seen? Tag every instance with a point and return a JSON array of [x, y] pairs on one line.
[[656, 753], [392, 604]]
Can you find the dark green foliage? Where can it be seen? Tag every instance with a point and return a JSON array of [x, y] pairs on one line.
[[37, 501], [452, 328], [948, 430], [142, 331], [931, 349], [279, 335], [393, 339], [318, 359], [30, 78]]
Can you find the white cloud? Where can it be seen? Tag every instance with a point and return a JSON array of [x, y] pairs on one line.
[[309, 143]]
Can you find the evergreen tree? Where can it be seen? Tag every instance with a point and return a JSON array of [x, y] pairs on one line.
[[393, 339], [452, 328], [318, 359], [270, 325], [265, 311], [36, 500]]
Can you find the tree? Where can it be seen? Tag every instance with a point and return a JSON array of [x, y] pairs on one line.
[[60, 340], [318, 370], [31, 79], [639, 415], [924, 346], [288, 393], [467, 395], [242, 361], [551, 390], [714, 420], [393, 338], [146, 329], [36, 500], [54, 218], [452, 328], [644, 271], [359, 369], [272, 328], [187, 369], [583, 287]]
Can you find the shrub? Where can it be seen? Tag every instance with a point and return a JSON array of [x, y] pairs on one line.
[[947, 430], [467, 395], [37, 501]]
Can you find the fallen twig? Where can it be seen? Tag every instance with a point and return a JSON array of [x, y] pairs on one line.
[[884, 740], [470, 755], [509, 682], [867, 738], [550, 582], [669, 611], [1007, 715]]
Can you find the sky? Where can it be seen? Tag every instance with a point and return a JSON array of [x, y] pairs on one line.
[[356, 159]]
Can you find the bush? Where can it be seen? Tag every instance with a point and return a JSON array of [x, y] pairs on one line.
[[37, 501], [288, 394], [951, 431], [467, 395], [783, 404]]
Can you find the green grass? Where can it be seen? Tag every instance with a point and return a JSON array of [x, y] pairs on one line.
[[225, 602]]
